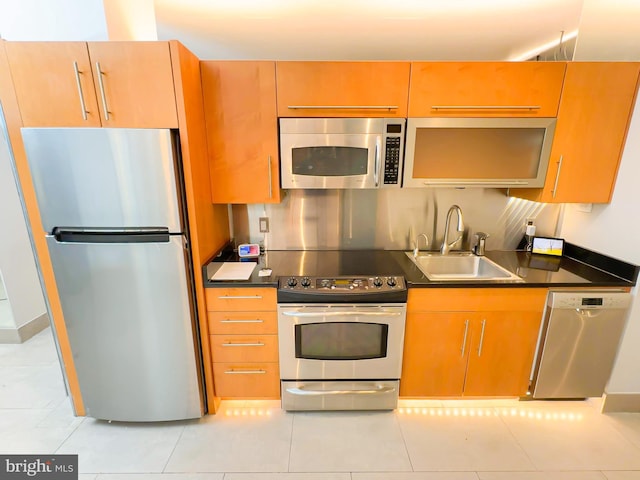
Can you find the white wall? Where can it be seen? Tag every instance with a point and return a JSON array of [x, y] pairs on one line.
[[49, 20], [609, 31], [17, 263]]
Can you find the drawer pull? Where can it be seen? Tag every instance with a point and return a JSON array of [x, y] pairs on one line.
[[343, 107], [231, 344], [240, 297], [228, 320], [485, 107], [247, 372]]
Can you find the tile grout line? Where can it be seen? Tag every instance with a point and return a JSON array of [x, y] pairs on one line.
[[164, 467], [404, 440], [293, 419], [70, 433], [515, 439]]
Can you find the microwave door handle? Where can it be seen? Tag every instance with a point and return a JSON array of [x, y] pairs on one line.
[[376, 165]]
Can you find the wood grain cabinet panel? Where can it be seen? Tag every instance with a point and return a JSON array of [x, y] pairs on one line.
[[485, 89], [241, 299], [242, 323], [58, 84], [342, 89], [244, 342], [247, 380], [593, 119], [54, 84], [135, 83], [242, 131], [482, 346]]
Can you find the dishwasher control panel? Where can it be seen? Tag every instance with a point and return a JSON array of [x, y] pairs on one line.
[[589, 300]]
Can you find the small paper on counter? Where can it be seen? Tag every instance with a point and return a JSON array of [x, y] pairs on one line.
[[234, 271]]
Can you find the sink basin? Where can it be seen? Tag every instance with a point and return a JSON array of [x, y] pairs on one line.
[[459, 267]]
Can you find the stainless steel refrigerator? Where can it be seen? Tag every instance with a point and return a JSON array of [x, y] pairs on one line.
[[113, 211]]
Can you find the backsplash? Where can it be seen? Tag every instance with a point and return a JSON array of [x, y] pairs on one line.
[[389, 219]]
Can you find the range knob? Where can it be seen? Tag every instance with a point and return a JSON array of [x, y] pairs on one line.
[[391, 281], [305, 282], [377, 282], [292, 282]]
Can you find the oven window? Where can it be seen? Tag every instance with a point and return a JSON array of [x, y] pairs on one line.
[[341, 341], [329, 161]]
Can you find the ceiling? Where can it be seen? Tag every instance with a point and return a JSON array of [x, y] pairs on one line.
[[368, 29]]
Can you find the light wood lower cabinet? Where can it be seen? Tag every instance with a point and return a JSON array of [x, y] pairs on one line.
[[470, 342], [243, 329]]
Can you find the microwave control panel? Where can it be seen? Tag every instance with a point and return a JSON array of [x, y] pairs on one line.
[[393, 152]]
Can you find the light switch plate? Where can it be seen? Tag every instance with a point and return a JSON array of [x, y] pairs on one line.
[[264, 224]]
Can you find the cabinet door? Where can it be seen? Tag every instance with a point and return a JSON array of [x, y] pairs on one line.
[[54, 84], [134, 83], [485, 89], [242, 131], [342, 89], [435, 354], [595, 110], [501, 355]]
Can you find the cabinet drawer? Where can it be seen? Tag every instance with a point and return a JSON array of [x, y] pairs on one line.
[[244, 348], [243, 323], [476, 299], [241, 299], [246, 380]]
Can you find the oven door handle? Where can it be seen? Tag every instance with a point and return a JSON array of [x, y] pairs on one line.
[[341, 314], [370, 391]]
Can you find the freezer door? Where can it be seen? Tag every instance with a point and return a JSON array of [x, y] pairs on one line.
[[104, 177], [129, 319]]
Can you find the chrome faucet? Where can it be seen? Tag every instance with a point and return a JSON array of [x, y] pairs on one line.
[[416, 251], [446, 246]]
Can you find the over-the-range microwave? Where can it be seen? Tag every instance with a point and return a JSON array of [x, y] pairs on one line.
[[483, 152], [341, 152]]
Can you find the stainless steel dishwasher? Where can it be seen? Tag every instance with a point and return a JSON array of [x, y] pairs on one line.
[[579, 340]]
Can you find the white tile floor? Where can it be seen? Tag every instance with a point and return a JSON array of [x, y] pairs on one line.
[[433, 440]]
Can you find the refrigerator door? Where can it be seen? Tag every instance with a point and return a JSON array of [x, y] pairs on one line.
[[128, 316], [104, 177]]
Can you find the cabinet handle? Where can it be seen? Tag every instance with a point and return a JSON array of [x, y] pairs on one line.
[[464, 339], [240, 297], [344, 107], [231, 344], [555, 185], [376, 164], [485, 107], [80, 94], [102, 91], [484, 323], [228, 320], [270, 178], [245, 372]]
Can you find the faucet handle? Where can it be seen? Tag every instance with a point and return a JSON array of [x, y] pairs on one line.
[[479, 248]]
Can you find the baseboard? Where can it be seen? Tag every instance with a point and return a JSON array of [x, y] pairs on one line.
[[621, 402], [26, 331]]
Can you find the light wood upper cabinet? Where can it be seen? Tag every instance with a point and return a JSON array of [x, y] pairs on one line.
[[58, 85], [54, 84], [242, 131], [470, 342], [342, 89], [134, 84], [485, 89], [595, 111]]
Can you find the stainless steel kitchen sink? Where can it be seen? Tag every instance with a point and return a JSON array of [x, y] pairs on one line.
[[461, 266]]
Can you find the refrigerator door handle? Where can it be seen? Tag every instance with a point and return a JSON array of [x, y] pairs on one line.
[[105, 235]]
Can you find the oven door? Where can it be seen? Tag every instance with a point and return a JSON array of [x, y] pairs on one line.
[[335, 160], [341, 342]]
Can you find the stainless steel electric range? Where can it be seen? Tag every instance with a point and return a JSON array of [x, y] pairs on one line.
[[341, 340]]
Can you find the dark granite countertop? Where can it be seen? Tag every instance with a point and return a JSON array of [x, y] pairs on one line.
[[578, 268]]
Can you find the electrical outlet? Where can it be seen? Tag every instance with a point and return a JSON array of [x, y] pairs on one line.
[[264, 224]]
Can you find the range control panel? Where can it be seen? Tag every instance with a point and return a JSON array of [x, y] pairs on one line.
[[343, 285]]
